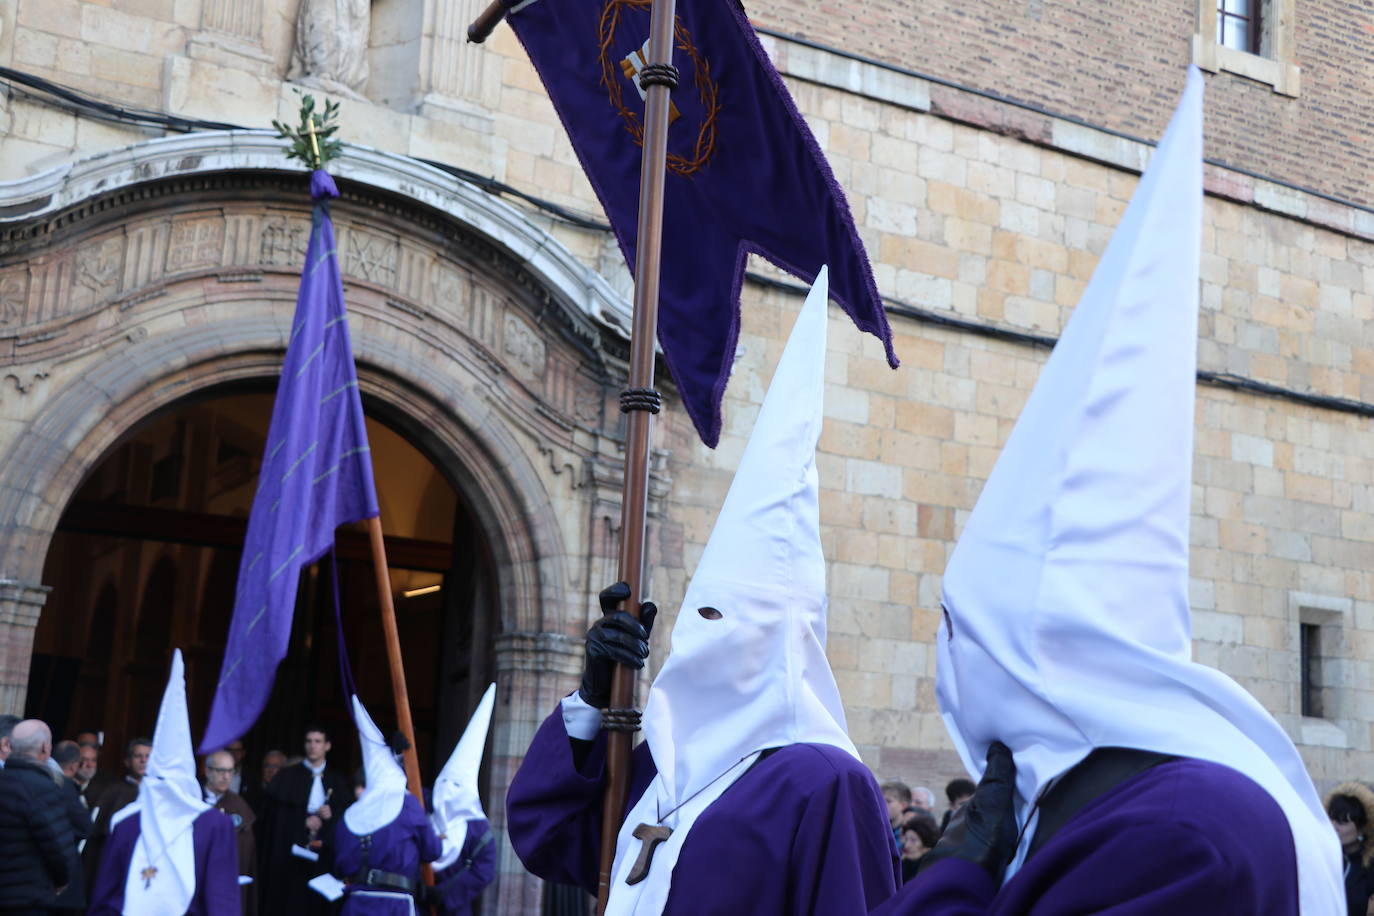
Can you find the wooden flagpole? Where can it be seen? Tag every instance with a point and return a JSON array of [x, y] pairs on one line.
[[640, 401]]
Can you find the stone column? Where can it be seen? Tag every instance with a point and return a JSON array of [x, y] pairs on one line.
[[20, 605], [535, 670], [459, 81]]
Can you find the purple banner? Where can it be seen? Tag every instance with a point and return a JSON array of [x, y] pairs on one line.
[[316, 475], [744, 172]]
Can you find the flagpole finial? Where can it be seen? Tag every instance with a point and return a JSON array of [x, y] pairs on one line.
[[312, 142]]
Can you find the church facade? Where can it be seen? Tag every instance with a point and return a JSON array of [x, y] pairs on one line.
[[151, 235]]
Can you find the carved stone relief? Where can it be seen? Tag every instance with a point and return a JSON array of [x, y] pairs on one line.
[[370, 257], [195, 244], [14, 296], [284, 241], [98, 264], [524, 345], [330, 51], [450, 293]]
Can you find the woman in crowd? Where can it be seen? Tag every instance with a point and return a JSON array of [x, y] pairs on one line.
[[1351, 809]]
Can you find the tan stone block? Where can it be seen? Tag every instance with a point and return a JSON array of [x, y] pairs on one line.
[[36, 49], [992, 180], [57, 17], [975, 429], [851, 440], [1088, 175], [1008, 277], [914, 254], [892, 555], [848, 142], [925, 419], [115, 65], [907, 450], [952, 200], [1306, 488], [839, 508]]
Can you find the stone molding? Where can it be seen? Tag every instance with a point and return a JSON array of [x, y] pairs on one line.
[[50, 194]]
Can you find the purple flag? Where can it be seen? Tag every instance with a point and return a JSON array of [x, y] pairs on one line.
[[744, 172], [316, 475]]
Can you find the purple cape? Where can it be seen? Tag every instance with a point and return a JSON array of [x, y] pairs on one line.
[[803, 831], [464, 880], [217, 867], [399, 848], [1186, 837]]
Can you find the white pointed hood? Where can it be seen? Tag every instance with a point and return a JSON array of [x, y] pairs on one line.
[[757, 677], [1066, 598], [169, 801], [381, 800], [455, 791]]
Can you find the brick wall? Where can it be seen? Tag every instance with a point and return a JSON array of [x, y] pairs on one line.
[[1120, 65]]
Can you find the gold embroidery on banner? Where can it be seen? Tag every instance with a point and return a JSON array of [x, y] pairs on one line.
[[708, 92]]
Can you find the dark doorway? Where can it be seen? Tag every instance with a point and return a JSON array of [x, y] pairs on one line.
[[146, 557]]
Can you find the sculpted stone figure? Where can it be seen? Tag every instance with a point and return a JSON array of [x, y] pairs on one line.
[[331, 45]]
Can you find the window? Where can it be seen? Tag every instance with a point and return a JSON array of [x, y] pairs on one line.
[[1310, 681], [1323, 685], [1238, 24], [1250, 38]]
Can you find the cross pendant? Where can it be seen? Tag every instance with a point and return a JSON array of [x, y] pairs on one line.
[[649, 837], [147, 876]]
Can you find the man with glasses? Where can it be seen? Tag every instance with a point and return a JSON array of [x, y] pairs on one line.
[[219, 771]]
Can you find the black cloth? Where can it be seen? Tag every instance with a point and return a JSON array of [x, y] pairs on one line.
[[35, 836], [1359, 884], [74, 897], [92, 791], [284, 876]]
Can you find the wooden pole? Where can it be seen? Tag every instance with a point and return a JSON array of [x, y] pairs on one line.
[[393, 656], [635, 494], [643, 333]]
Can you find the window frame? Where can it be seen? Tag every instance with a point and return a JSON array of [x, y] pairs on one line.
[[1273, 62]]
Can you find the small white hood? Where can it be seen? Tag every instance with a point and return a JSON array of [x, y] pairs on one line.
[[1068, 624], [381, 800], [169, 801], [455, 791]]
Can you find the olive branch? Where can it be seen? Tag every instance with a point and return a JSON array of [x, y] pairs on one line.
[[312, 142]]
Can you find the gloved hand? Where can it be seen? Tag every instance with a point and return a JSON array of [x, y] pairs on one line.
[[615, 638], [984, 830]]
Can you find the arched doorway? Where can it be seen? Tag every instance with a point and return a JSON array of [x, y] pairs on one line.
[[145, 558]]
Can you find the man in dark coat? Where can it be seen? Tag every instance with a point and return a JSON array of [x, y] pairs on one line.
[[219, 771], [304, 803], [90, 779], [35, 836], [67, 756], [116, 796]]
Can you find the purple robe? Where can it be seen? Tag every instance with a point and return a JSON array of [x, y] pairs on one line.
[[217, 867], [1185, 837], [399, 848], [802, 831], [464, 880]]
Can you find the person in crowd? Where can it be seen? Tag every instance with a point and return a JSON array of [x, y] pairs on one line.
[[90, 779], [67, 756], [218, 772], [111, 801], [235, 749], [36, 837], [1118, 774], [957, 792], [467, 863], [923, 798], [255, 787], [304, 802], [169, 853], [1351, 809], [384, 836], [897, 797], [88, 737], [7, 724], [919, 834], [747, 796]]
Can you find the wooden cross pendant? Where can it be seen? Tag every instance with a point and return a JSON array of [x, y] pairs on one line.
[[147, 876], [649, 837]]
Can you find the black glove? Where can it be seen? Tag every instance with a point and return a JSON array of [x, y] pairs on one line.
[[615, 638], [984, 830]]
